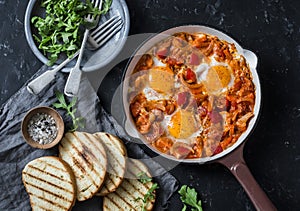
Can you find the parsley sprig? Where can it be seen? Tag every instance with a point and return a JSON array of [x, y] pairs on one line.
[[149, 196], [189, 197], [78, 122]]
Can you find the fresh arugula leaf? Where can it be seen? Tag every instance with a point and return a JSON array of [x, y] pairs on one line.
[[189, 197], [78, 122], [149, 196], [59, 30], [106, 6]]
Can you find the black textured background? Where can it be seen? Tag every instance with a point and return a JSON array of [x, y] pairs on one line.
[[270, 28]]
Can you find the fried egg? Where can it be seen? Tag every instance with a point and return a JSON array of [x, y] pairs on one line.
[[181, 125], [217, 77]]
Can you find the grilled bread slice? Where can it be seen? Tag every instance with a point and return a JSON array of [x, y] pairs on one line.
[[50, 183], [131, 193], [87, 158], [116, 157]]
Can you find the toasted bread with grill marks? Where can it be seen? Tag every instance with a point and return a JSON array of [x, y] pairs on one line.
[[50, 183], [87, 158], [130, 194], [116, 157]]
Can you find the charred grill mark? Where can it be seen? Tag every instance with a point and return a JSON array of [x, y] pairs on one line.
[[133, 170], [85, 153], [86, 150], [108, 135], [126, 191], [41, 207], [135, 166], [85, 172], [109, 198], [104, 189], [109, 149], [129, 183], [96, 146], [111, 169], [86, 188], [45, 190], [115, 142], [53, 166], [38, 178], [120, 197], [49, 201], [88, 154], [112, 181], [114, 158], [78, 163]]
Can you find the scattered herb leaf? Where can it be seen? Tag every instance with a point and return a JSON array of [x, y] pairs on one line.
[[144, 178], [149, 196], [189, 197], [78, 122]]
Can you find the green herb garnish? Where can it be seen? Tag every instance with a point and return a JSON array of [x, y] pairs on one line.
[[189, 197], [144, 178], [78, 122], [106, 6], [149, 196], [59, 30]]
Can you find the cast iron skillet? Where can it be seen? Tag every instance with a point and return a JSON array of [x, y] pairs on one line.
[[232, 157]]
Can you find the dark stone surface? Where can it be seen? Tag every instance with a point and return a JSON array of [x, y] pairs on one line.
[[270, 28]]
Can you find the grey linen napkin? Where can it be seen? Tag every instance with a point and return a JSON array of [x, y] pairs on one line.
[[15, 153]]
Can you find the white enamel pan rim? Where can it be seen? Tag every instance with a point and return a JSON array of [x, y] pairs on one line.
[[251, 59]]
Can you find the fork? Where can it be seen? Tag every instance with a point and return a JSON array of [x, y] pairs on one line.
[[109, 28], [113, 25], [73, 81]]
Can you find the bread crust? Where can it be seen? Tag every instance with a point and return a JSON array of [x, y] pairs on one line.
[[33, 183], [116, 154]]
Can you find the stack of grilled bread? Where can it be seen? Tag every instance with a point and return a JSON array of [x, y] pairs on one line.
[[88, 165]]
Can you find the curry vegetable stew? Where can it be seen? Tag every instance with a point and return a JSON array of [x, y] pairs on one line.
[[191, 95]]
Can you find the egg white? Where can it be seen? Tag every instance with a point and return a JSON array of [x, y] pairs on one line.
[[151, 94], [157, 62]]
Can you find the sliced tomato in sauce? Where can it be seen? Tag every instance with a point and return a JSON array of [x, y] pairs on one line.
[[215, 117], [162, 53], [194, 59], [190, 75], [182, 99]]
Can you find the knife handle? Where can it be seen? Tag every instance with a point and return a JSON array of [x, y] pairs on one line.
[[73, 82], [38, 84]]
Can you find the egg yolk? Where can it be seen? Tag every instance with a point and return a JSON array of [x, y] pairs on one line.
[[218, 77], [161, 79], [182, 124]]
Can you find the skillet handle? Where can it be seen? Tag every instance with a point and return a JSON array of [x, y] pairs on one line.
[[235, 162]]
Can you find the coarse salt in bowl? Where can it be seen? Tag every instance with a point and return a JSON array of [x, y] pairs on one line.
[[42, 127]]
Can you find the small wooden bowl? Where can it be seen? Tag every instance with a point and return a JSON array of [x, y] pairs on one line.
[[59, 124]]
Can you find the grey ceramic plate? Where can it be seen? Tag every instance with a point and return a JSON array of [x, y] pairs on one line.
[[92, 60]]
